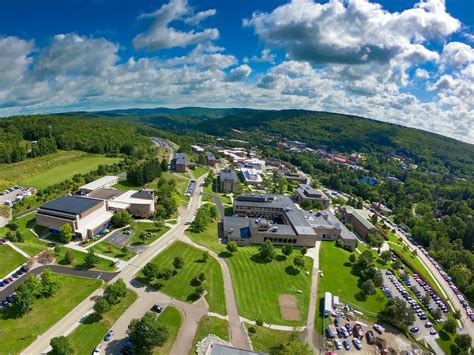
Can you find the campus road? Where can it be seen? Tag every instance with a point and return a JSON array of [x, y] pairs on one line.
[[310, 336], [468, 324]]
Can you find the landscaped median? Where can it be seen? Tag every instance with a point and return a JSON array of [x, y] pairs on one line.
[[182, 283], [17, 333], [79, 260], [92, 329], [113, 251]]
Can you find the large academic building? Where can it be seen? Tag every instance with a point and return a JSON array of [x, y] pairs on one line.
[[90, 211], [276, 218]]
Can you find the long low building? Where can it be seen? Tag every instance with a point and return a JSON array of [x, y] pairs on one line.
[[258, 218], [305, 192], [87, 216], [361, 225], [139, 203]]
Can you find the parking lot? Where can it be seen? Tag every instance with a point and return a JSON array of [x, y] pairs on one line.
[[15, 193], [397, 288], [120, 238]]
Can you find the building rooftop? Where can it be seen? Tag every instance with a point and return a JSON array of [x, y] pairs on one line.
[[180, 158], [210, 156], [71, 204], [307, 191], [105, 194], [228, 174], [351, 210], [221, 349], [96, 184]]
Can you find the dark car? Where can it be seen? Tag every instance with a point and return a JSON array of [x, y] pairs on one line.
[[414, 329], [156, 308], [346, 344]]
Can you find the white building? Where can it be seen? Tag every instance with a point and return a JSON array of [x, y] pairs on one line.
[[251, 176], [102, 183]]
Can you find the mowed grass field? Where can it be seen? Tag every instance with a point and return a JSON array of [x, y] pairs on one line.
[[17, 333], [10, 260], [257, 285], [265, 339], [179, 285], [338, 279], [32, 245], [89, 334], [49, 169], [67, 170], [171, 318], [111, 250], [208, 238]]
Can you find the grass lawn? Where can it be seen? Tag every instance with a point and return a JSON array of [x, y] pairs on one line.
[[208, 238], [89, 334], [32, 244], [265, 338], [338, 279], [257, 285], [143, 227], [171, 318], [13, 173], [211, 325], [103, 264], [179, 285], [66, 169], [10, 260], [126, 185], [18, 333], [199, 171], [211, 189], [111, 250]]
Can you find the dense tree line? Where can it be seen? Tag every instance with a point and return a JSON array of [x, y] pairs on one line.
[[145, 171], [167, 198], [68, 132]]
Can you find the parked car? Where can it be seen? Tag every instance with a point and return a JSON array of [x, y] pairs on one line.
[[414, 329], [98, 349], [357, 343], [109, 335], [337, 344], [346, 344], [156, 308]]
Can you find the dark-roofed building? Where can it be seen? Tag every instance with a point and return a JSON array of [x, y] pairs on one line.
[[276, 218], [210, 159], [291, 176], [87, 216], [306, 192], [228, 181], [179, 163]]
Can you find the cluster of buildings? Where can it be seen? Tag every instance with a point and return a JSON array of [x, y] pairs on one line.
[[180, 162], [258, 218], [90, 211], [360, 223]]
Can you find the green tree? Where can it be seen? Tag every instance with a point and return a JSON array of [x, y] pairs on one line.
[[164, 165], [287, 249], [398, 312], [69, 257], [450, 326], [205, 256], [232, 247], [151, 271], [267, 251], [147, 333], [461, 274], [457, 314], [178, 262], [91, 259], [463, 341], [122, 218], [298, 261], [49, 283], [303, 251], [19, 236], [385, 255], [368, 287], [60, 346], [115, 291], [352, 258], [202, 276], [377, 278], [67, 233], [166, 273], [101, 305]]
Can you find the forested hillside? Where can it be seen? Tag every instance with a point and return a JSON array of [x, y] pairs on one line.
[[32, 136]]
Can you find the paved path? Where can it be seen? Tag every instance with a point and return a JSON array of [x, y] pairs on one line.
[[285, 328], [103, 275], [26, 255], [310, 334], [238, 336]]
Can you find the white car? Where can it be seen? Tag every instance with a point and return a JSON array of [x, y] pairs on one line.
[[337, 344], [99, 349]]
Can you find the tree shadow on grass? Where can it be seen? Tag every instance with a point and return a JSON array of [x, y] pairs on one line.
[[225, 254], [290, 270], [443, 335], [257, 259], [360, 296], [280, 258], [92, 318], [347, 264], [193, 297]]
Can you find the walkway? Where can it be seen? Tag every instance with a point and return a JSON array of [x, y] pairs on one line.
[[26, 255], [310, 335]]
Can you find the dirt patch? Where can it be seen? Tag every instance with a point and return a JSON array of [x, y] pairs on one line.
[[289, 307]]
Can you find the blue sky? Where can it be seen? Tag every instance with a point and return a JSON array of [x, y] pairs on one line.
[[406, 62]]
